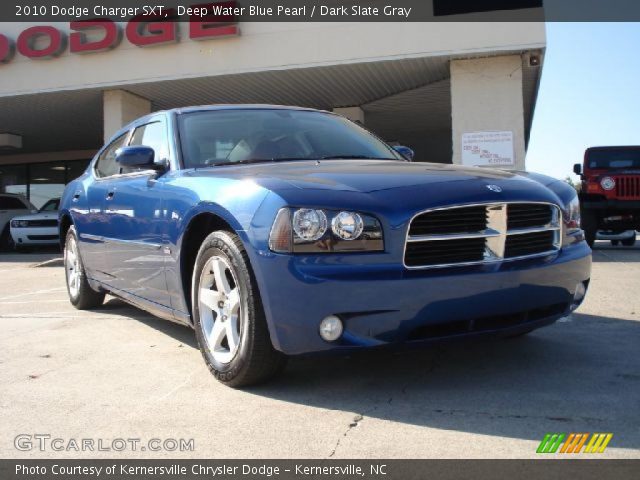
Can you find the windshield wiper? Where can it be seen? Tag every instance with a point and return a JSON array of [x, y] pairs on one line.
[[293, 159], [241, 162], [352, 157], [264, 160]]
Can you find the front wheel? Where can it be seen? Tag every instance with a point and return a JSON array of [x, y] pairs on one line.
[[629, 242], [229, 319], [615, 242], [81, 295]]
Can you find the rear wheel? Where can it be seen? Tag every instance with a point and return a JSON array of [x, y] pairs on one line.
[[81, 295], [590, 226], [229, 319], [629, 242], [615, 242]]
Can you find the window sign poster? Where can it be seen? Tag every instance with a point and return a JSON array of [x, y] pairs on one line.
[[487, 149]]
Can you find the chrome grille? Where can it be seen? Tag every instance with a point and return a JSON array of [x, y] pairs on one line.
[[524, 215], [485, 233], [628, 187], [445, 251], [460, 220]]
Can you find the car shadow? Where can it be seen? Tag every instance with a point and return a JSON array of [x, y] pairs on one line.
[[604, 252], [116, 307], [580, 375], [30, 257]]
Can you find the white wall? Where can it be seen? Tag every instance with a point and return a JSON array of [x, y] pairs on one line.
[[261, 46], [486, 95], [119, 108]]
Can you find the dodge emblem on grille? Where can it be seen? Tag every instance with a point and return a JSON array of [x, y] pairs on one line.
[[494, 188]]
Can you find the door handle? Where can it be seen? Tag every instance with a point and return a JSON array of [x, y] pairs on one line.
[[76, 197], [110, 195]]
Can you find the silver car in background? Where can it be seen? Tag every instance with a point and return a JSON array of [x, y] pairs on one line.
[[37, 229], [11, 205]]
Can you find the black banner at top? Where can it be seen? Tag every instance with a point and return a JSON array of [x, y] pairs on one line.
[[43, 11]]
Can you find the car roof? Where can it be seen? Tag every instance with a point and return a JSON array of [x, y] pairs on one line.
[[615, 147], [236, 106]]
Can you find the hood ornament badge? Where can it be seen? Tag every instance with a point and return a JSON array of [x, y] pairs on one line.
[[494, 188]]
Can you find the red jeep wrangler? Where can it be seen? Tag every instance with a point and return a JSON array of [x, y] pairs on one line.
[[610, 195]]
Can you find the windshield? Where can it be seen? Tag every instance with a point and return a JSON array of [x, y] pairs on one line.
[[620, 158], [227, 137], [51, 206]]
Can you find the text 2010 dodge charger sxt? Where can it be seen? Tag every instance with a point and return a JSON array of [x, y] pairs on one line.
[[278, 231]]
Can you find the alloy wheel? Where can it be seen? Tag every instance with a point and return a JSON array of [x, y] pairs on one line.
[[220, 309], [72, 265]]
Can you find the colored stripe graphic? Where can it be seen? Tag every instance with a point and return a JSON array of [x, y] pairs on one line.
[[582, 442], [571, 442], [550, 443], [543, 444], [598, 442]]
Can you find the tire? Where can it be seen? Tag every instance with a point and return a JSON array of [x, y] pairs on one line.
[[615, 242], [518, 335], [6, 240], [629, 242], [230, 324], [81, 295], [589, 225]]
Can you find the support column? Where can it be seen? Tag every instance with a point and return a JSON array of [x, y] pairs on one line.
[[487, 96], [121, 107], [355, 114]]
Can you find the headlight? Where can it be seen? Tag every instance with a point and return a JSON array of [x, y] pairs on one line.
[[573, 210], [19, 223], [571, 222], [309, 225], [608, 183], [347, 225], [305, 230]]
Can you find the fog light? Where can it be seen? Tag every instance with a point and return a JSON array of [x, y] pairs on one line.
[[331, 328], [579, 295]]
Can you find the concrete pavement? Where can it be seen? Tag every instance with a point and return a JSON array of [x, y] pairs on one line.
[[118, 372]]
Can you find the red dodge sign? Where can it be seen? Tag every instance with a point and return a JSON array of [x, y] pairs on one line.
[[45, 41]]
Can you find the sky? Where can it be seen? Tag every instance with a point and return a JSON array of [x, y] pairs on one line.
[[589, 94]]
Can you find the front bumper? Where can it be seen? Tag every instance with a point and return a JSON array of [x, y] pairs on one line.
[[611, 204], [608, 235], [35, 235], [382, 305]]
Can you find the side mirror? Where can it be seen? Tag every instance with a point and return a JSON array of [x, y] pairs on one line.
[[406, 152], [137, 156], [577, 169]]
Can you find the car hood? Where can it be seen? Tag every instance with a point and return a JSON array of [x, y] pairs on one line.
[[38, 216], [364, 176]]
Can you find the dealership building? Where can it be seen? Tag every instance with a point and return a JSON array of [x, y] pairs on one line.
[[453, 92]]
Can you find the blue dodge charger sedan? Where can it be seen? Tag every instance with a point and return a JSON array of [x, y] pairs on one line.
[[277, 231]]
